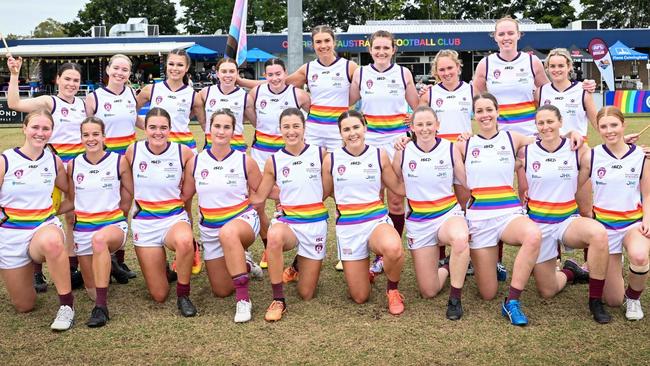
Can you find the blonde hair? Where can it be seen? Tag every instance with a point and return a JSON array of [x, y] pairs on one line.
[[563, 52], [506, 18], [119, 55], [453, 55], [610, 111], [39, 112]]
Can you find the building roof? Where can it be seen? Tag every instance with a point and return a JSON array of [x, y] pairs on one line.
[[440, 25], [96, 49]]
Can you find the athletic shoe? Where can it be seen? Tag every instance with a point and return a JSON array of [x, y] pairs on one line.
[[377, 265], [256, 271], [128, 270], [598, 311], [98, 317], [579, 275], [339, 266], [185, 306], [64, 318], [512, 311], [120, 276], [470, 269], [196, 260], [502, 272], [40, 285], [264, 263], [454, 309], [171, 275], [275, 311], [76, 279], [243, 311], [289, 275], [633, 309], [395, 302]]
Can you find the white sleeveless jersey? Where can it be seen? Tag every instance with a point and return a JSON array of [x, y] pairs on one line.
[[571, 105], [490, 165], [329, 87], [617, 187], [26, 192], [357, 182], [97, 192], [179, 106], [301, 187], [552, 182], [156, 181], [453, 108], [268, 107], [429, 178], [383, 103], [119, 113], [513, 84], [236, 102], [221, 186], [66, 136]]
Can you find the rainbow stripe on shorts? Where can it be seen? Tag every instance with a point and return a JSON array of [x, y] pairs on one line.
[[516, 113], [67, 152], [324, 115], [387, 124], [266, 142], [303, 214], [20, 219], [149, 210], [551, 212], [494, 198], [215, 218], [237, 142], [88, 221], [183, 138], [430, 210], [119, 144], [356, 213], [618, 220]]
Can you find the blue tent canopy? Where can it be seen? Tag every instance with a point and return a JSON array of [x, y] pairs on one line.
[[621, 52], [199, 52], [257, 55]]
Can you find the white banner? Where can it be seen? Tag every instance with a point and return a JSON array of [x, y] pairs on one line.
[[600, 52]]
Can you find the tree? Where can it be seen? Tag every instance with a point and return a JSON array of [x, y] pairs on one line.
[[208, 16], [111, 12], [559, 13], [617, 13], [49, 28]]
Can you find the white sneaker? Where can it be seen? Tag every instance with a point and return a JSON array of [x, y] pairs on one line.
[[243, 312], [633, 309], [64, 318], [256, 270]]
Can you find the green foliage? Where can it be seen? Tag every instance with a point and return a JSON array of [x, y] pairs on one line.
[[49, 28], [559, 13], [617, 13]]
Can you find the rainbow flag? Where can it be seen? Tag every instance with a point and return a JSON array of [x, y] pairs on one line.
[[617, 220], [356, 213], [493, 198], [149, 210], [629, 101], [20, 219], [302, 214], [324, 115], [517, 113], [215, 218], [236, 44], [551, 212], [119, 144], [183, 138], [430, 210], [67, 152], [93, 221], [265, 142], [387, 124]]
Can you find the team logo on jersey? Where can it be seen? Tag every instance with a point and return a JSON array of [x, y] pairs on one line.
[[135, 236], [521, 70], [64, 111], [314, 77], [439, 102], [80, 178], [212, 102], [413, 165], [632, 170], [410, 242], [476, 152], [496, 73], [18, 173], [318, 247], [573, 100], [108, 106], [341, 169], [536, 165], [263, 104], [369, 84], [601, 172], [547, 102], [143, 166], [285, 171], [232, 170], [159, 99], [204, 173]]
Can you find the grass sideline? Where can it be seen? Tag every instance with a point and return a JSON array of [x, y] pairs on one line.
[[330, 329]]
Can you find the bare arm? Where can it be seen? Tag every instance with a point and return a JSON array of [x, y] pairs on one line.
[[645, 194], [590, 108], [188, 189], [303, 100], [126, 186], [355, 92], [326, 175], [411, 93], [249, 112], [397, 164], [299, 77], [253, 173], [388, 176], [266, 185], [90, 104], [248, 83], [66, 204], [480, 77], [198, 111], [13, 96], [144, 96], [459, 166], [540, 74]]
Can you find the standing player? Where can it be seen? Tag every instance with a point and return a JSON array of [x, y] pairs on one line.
[[30, 230], [159, 220], [296, 170]]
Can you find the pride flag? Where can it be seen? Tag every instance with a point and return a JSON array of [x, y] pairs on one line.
[[236, 43]]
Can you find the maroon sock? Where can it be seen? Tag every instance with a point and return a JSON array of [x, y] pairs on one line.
[[559, 251], [102, 294], [398, 222], [584, 254], [390, 285], [632, 294], [570, 276], [182, 290], [278, 291], [446, 266], [441, 252], [513, 293], [119, 255], [455, 293], [596, 288], [240, 282], [74, 262], [38, 267], [500, 246], [66, 299], [264, 242], [248, 267]]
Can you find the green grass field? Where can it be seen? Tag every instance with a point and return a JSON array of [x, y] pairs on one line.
[[330, 329]]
